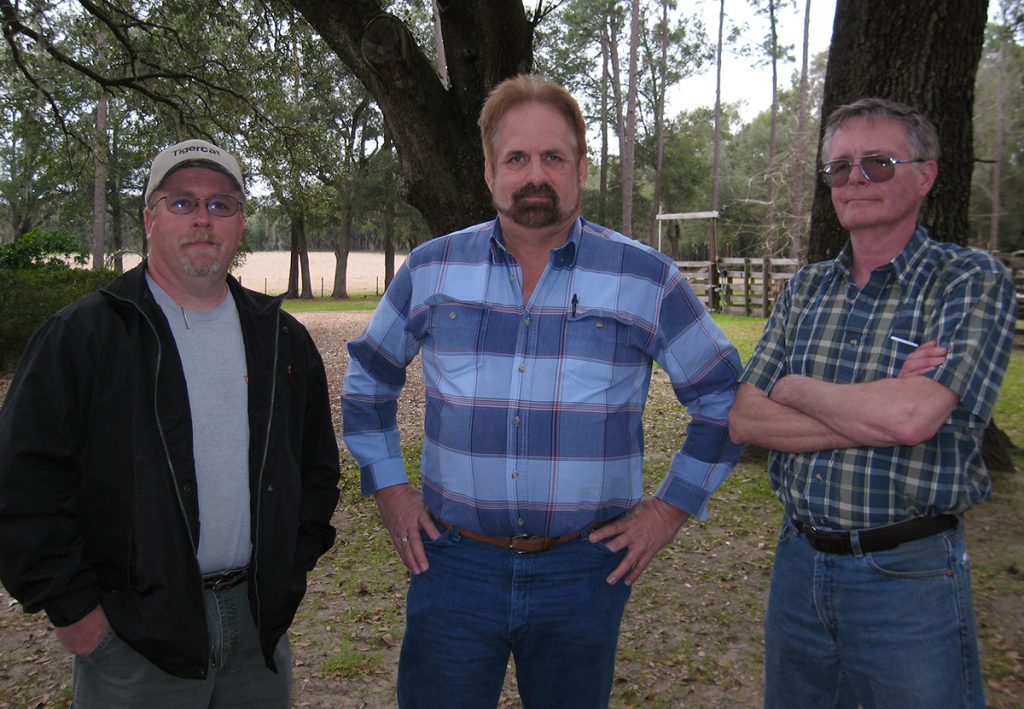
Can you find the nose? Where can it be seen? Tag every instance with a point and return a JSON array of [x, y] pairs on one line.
[[535, 171], [202, 213], [857, 173]]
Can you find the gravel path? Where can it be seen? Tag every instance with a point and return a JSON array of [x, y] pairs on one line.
[[332, 331]]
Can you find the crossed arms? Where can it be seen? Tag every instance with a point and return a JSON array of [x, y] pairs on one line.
[[802, 414]]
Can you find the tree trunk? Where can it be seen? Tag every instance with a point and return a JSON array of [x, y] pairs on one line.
[[99, 184], [1000, 131], [602, 198], [627, 145], [659, 126], [434, 127], [923, 53], [799, 226], [715, 164], [341, 248], [769, 242], [299, 266]]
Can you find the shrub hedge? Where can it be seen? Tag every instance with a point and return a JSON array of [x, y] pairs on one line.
[[28, 297]]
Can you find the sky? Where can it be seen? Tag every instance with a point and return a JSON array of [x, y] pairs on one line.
[[742, 81]]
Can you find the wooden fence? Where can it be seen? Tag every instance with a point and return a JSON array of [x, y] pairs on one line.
[[739, 286]]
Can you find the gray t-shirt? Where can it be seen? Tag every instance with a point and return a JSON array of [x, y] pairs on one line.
[[213, 356]]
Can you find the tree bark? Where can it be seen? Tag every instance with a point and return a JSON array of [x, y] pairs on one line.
[[434, 127], [341, 247], [627, 142], [923, 53], [799, 225]]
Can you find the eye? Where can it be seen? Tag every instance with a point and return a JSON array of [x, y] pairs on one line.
[[554, 157], [516, 159], [880, 161], [835, 167], [181, 203], [221, 205]]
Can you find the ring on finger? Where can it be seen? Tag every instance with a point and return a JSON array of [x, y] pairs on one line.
[[403, 539]]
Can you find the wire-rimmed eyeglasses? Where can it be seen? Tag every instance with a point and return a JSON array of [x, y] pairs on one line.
[[876, 168], [218, 205]]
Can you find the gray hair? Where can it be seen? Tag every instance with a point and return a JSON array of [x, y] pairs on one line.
[[921, 133]]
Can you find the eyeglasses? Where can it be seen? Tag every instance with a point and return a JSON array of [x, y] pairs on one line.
[[877, 168], [219, 205]]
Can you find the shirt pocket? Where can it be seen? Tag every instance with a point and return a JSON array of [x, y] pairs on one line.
[[455, 336], [599, 350]]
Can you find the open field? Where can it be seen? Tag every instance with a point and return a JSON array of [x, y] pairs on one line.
[[267, 271], [692, 633]]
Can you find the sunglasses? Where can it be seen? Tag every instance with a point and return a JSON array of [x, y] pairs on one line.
[[876, 168], [219, 205]]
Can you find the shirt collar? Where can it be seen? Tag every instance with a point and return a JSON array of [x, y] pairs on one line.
[[563, 256], [904, 263]]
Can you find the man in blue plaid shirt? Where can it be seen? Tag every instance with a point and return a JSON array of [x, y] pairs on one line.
[[873, 384], [538, 331]]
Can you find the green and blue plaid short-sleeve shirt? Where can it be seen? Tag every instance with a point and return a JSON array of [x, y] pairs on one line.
[[827, 328]]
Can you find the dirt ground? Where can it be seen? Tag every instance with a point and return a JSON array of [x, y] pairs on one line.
[[692, 632]]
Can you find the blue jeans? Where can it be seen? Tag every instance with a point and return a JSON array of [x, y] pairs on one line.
[[115, 675], [885, 629], [552, 610]]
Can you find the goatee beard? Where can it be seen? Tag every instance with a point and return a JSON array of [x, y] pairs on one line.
[[532, 215], [201, 270]]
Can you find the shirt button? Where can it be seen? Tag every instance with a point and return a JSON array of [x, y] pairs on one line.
[[452, 315], [521, 369], [521, 522], [599, 323], [853, 341], [512, 279], [818, 477], [526, 321], [515, 421], [515, 474]]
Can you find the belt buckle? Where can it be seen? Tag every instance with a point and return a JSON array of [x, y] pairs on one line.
[[518, 537], [228, 580]]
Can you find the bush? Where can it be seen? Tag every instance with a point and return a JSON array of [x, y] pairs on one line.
[[29, 296], [38, 249]]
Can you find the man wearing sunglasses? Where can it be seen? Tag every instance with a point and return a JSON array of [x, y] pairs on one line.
[[168, 464], [873, 384]]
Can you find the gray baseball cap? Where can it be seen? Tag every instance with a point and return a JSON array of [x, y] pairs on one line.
[[192, 153]]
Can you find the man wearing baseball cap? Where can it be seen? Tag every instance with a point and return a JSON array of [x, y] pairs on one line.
[[168, 464]]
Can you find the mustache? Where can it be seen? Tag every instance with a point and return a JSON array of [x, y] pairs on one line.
[[531, 190], [201, 235]]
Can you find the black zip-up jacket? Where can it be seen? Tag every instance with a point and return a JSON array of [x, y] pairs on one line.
[[98, 500]]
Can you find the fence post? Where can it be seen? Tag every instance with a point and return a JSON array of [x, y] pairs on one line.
[[766, 279]]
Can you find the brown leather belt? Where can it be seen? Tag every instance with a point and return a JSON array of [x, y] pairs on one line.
[[224, 580], [523, 543], [835, 541]]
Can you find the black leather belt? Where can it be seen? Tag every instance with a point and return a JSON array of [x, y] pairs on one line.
[[836, 541], [224, 580]]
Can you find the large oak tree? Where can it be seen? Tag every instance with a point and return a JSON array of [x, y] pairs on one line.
[[923, 53], [433, 125]]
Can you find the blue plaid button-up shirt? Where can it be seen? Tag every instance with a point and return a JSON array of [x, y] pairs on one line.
[[533, 414], [826, 328]]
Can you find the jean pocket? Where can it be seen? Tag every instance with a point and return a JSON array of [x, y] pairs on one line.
[[447, 538], [924, 558], [105, 642]]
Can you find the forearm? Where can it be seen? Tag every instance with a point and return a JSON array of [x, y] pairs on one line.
[[758, 420], [886, 412]]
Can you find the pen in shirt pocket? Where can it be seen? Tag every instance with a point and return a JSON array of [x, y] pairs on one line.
[[903, 342]]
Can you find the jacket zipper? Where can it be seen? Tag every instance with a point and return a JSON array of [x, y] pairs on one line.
[[259, 478], [163, 436]]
